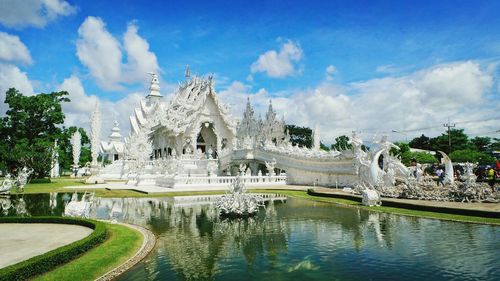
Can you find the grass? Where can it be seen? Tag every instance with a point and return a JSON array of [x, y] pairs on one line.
[[393, 210], [122, 243]]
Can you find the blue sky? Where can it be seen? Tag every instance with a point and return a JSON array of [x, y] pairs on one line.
[[374, 66]]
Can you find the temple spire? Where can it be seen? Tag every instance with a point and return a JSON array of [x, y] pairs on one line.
[[187, 73], [154, 88]]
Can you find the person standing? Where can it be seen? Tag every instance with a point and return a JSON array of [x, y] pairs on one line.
[[491, 178], [440, 173]]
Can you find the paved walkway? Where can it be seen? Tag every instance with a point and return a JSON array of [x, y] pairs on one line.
[[151, 189], [487, 207], [21, 241]]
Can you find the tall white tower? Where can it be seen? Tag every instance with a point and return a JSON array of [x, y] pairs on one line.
[[154, 89]]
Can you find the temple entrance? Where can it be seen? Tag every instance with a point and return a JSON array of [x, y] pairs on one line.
[[207, 140]]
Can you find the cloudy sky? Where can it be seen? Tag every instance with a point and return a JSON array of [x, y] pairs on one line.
[[405, 66]]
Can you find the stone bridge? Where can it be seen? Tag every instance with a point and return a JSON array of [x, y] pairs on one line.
[[326, 169]]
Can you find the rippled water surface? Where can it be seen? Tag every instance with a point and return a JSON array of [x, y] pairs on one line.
[[295, 240]]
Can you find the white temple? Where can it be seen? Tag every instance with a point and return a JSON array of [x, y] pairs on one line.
[[193, 139], [114, 149]]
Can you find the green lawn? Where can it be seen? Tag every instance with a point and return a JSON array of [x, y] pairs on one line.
[[122, 243]]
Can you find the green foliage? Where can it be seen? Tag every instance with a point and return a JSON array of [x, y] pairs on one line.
[[50, 260], [421, 142], [29, 129], [342, 143], [468, 155], [481, 143], [323, 147], [301, 136], [459, 141], [406, 155]]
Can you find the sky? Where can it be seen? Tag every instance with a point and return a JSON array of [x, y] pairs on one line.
[[401, 68]]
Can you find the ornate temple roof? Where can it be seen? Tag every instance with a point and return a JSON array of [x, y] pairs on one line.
[[187, 103], [115, 144], [183, 109]]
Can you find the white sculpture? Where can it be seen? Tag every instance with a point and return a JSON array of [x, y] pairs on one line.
[[237, 202], [95, 131], [54, 171], [270, 166], [22, 178], [316, 138], [80, 208], [449, 176], [76, 143], [6, 184], [95, 127], [371, 198]]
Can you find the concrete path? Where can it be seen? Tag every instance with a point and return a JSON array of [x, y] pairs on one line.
[[487, 207], [21, 241]]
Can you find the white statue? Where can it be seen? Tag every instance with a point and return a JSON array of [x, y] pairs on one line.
[[371, 198], [22, 178], [80, 208], [6, 184], [386, 146], [76, 143], [316, 138], [270, 166], [449, 176], [95, 122], [54, 171]]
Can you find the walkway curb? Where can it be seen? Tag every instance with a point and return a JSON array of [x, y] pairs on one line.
[[147, 246], [399, 203]]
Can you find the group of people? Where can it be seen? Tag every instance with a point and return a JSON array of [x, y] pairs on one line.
[[489, 174]]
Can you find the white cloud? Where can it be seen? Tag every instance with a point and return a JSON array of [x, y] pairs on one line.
[[279, 64], [423, 99], [13, 50], [330, 70], [101, 52], [140, 59], [98, 50], [78, 111], [12, 77], [37, 13]]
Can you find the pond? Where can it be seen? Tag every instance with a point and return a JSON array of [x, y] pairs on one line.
[[292, 240]]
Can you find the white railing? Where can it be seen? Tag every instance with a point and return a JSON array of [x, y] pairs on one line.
[[168, 181]]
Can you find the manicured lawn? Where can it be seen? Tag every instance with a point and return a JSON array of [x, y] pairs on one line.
[[122, 243]]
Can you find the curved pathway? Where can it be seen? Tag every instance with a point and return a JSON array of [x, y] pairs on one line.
[[21, 241]]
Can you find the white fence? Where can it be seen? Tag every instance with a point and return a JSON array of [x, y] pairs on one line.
[[220, 181]]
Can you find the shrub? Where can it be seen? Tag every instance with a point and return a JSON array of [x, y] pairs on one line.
[[48, 261]]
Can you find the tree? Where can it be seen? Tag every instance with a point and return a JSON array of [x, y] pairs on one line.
[[468, 155], [481, 143], [421, 142], [341, 143], [29, 129], [301, 136], [459, 141]]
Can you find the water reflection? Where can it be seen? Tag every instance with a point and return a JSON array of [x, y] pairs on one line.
[[296, 240]]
